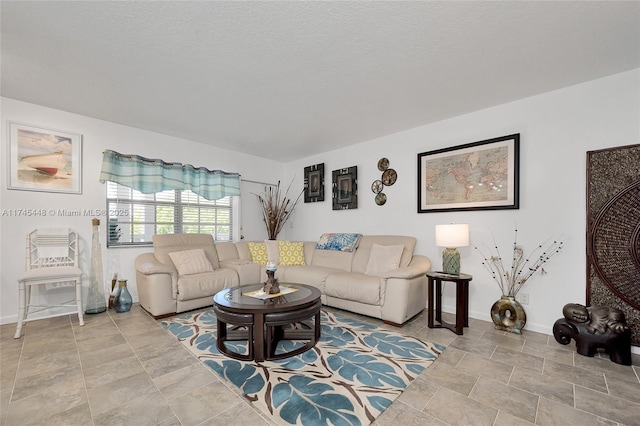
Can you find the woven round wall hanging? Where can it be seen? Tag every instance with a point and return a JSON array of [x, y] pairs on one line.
[[615, 244]]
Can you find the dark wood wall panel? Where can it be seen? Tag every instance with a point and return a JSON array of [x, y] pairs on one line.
[[613, 231]]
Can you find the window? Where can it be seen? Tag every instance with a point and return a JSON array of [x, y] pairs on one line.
[[135, 217]]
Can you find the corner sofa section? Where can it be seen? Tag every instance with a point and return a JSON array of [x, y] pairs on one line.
[[393, 295]]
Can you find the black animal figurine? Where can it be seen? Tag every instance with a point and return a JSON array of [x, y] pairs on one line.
[[593, 328]]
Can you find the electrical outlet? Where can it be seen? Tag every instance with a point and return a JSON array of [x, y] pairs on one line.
[[524, 298]]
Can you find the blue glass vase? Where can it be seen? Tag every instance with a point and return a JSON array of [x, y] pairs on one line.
[[122, 301]]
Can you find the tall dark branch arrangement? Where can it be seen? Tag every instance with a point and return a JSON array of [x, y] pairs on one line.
[[276, 208], [522, 267]]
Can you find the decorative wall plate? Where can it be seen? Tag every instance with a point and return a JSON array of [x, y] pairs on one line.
[[377, 186], [381, 198], [383, 164], [389, 177]]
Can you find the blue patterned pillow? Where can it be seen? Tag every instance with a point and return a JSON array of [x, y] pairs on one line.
[[339, 242]]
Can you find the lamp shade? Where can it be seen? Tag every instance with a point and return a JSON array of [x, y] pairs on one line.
[[452, 235]]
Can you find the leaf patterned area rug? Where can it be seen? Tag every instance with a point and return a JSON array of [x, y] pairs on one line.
[[355, 371]]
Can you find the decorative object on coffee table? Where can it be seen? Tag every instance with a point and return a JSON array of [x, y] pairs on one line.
[[452, 236], [507, 314], [276, 208], [593, 328], [271, 286]]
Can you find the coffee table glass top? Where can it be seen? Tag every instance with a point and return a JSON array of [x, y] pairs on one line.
[[236, 297]]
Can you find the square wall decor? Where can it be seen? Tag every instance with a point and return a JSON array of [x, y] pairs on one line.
[[314, 183], [345, 188], [41, 159]]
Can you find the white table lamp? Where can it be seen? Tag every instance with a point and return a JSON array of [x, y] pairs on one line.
[[452, 236]]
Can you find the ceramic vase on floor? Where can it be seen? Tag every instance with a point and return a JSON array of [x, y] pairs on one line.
[[122, 301], [509, 315]]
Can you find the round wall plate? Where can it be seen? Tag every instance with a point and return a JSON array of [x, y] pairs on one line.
[[381, 198], [389, 177], [383, 164], [377, 186]]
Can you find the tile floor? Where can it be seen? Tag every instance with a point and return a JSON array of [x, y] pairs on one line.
[[124, 369]]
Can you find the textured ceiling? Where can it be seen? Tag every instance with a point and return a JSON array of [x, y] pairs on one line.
[[286, 80]]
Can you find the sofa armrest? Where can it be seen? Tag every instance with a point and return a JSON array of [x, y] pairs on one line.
[[147, 264], [419, 265], [156, 284]]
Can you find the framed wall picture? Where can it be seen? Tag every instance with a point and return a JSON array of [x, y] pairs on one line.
[[44, 159], [314, 183], [481, 175], [345, 188]]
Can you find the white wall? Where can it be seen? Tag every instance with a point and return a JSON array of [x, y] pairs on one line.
[[556, 128], [97, 136]]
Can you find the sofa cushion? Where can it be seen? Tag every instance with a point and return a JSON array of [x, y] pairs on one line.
[[258, 253], [291, 253], [383, 259], [167, 243], [189, 262], [353, 286], [332, 259], [361, 256], [310, 275], [206, 284], [227, 250]]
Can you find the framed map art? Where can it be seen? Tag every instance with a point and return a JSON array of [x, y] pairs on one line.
[[480, 175]]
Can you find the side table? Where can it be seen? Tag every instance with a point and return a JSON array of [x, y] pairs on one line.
[[462, 300]]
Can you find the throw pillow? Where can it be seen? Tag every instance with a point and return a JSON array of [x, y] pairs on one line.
[[340, 242], [190, 262], [383, 259], [258, 253], [291, 253]]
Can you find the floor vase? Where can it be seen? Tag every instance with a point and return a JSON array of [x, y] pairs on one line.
[[96, 300], [507, 314]]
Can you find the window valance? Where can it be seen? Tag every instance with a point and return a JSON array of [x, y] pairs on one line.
[[149, 176]]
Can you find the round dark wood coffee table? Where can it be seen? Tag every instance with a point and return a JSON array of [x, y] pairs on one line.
[[264, 319]]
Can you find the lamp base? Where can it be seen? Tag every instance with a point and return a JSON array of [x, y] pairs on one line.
[[451, 261]]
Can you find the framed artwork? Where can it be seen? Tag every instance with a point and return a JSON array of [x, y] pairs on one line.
[[314, 183], [44, 159], [481, 175], [345, 188]]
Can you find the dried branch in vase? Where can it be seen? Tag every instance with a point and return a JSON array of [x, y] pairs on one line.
[[276, 208], [523, 267]]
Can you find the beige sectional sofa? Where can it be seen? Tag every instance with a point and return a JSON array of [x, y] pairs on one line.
[[354, 281]]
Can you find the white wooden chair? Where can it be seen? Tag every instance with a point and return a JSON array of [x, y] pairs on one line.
[[52, 258]]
